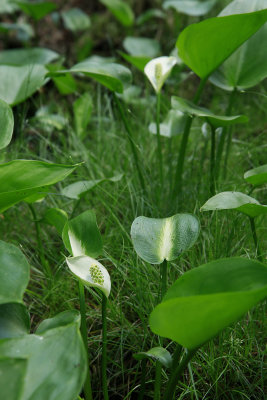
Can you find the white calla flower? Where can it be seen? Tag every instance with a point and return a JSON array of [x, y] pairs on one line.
[[91, 272], [158, 70]]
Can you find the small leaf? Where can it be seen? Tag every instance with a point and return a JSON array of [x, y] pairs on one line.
[[198, 44], [36, 9], [156, 354], [14, 273], [81, 235], [257, 176], [141, 46], [7, 124], [82, 109], [217, 121], [55, 217], [156, 240], [75, 20], [173, 124], [195, 8], [148, 15], [34, 55], [66, 83], [121, 10], [158, 70], [13, 371], [91, 272], [14, 320], [207, 299], [235, 201], [79, 189]]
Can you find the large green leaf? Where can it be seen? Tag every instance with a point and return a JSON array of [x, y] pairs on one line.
[[190, 7], [121, 10], [217, 121], [207, 299], [75, 19], [114, 76], [7, 124], [81, 235], [56, 362], [235, 201], [20, 82], [36, 9], [159, 239], [14, 273], [20, 179], [12, 377], [247, 66], [257, 176], [35, 55], [205, 45], [14, 320]]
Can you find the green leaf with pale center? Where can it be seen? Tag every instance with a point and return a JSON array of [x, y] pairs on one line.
[[121, 11], [247, 66], [257, 176], [7, 124], [20, 179], [207, 299], [206, 45], [235, 201], [81, 235], [217, 121], [159, 239], [156, 354]]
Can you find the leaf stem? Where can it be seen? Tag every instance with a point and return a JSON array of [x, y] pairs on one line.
[[255, 238], [176, 375], [143, 380], [130, 138], [104, 347], [212, 161], [159, 141], [183, 146], [87, 385]]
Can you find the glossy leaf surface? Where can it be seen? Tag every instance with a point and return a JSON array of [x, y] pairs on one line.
[[156, 354], [20, 179], [257, 176], [217, 121], [156, 240], [34, 55], [198, 44], [235, 201], [207, 299]]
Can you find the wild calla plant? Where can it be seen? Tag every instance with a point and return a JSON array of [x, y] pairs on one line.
[[257, 176], [204, 301], [7, 124]]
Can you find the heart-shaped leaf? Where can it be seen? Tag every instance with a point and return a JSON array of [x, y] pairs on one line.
[[190, 7], [79, 189], [7, 124], [207, 299], [235, 201], [257, 176], [20, 82], [159, 239], [91, 272], [14, 273], [35, 55], [14, 320], [13, 371], [217, 121], [247, 66], [56, 362], [121, 10], [81, 235], [114, 76], [173, 124], [36, 9], [156, 354], [20, 179], [205, 45], [75, 20]]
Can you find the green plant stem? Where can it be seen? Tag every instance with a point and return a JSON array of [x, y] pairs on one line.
[[212, 161], [143, 380], [176, 375], [44, 262], [104, 348], [159, 142], [163, 273], [176, 356], [130, 138], [223, 135], [183, 146], [87, 385], [255, 238]]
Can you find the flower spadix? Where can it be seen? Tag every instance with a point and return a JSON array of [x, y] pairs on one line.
[[91, 272], [158, 70]]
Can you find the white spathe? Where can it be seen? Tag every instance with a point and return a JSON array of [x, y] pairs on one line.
[[158, 70], [91, 272]]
